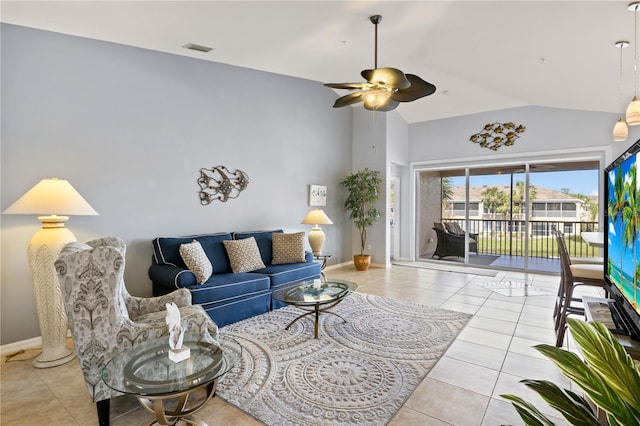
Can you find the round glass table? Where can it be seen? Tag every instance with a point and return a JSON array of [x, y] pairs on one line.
[[146, 372], [315, 300]]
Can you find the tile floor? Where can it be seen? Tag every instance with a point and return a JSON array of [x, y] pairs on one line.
[[489, 357]]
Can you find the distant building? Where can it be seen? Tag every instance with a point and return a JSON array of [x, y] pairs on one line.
[[549, 209]]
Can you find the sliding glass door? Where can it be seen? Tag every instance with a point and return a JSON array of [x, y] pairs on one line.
[[508, 214]]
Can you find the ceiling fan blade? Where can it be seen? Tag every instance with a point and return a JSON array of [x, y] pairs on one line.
[[349, 99], [387, 106], [349, 86], [418, 89], [389, 77]]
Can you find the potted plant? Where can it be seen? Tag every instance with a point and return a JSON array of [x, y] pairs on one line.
[[364, 191], [607, 375]]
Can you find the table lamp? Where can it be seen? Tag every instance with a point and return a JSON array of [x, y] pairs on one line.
[[50, 197], [316, 236]]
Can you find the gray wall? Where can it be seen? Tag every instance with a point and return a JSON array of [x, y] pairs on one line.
[[370, 150], [131, 128], [547, 130], [550, 132]]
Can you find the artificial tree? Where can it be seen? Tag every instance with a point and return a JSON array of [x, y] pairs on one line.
[[363, 189]]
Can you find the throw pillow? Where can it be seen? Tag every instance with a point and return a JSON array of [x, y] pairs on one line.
[[454, 228], [196, 260], [288, 248], [244, 255]]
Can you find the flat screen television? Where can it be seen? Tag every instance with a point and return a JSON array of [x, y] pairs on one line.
[[622, 238]]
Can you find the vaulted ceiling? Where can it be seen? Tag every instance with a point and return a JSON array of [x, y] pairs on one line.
[[480, 55]]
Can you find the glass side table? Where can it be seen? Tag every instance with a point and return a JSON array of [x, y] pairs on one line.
[[324, 257], [146, 372], [315, 300]]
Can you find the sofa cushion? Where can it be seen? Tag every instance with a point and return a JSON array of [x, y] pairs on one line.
[[244, 255], [264, 240], [288, 248], [196, 260], [216, 252], [166, 250], [229, 286], [290, 273]]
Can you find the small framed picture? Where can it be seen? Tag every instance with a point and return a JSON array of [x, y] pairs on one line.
[[317, 195]]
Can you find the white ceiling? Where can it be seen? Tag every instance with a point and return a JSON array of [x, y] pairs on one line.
[[480, 55]]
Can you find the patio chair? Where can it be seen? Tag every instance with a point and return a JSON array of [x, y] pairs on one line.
[[450, 244]]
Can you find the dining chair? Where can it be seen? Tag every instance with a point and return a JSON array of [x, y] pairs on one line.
[[572, 276]]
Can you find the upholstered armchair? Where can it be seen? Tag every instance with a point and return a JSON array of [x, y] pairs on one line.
[[105, 319], [451, 244]]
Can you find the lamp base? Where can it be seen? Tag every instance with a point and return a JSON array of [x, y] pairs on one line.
[[316, 240], [53, 358], [52, 318]]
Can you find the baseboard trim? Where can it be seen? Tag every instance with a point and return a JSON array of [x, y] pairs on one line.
[[21, 345], [340, 265]]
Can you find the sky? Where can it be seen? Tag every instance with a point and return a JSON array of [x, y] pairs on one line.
[[579, 182]]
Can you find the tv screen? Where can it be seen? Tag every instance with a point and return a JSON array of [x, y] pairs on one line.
[[622, 248]]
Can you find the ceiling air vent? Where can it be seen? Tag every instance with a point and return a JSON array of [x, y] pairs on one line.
[[198, 47]]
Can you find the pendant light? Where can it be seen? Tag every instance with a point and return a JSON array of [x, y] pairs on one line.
[[633, 110], [620, 130]]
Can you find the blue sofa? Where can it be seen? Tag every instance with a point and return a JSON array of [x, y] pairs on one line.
[[226, 296]]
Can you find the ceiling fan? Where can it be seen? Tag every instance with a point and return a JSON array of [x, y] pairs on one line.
[[385, 87]]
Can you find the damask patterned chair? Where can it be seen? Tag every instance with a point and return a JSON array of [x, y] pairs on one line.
[[105, 319]]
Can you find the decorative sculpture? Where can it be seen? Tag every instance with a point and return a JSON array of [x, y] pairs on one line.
[[176, 334], [495, 135], [218, 183]]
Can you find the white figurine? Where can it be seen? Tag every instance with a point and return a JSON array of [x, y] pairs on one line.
[[176, 334]]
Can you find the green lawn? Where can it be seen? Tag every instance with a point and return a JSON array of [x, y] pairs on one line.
[[538, 247]]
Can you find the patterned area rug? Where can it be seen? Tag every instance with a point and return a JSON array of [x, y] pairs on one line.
[[358, 372]]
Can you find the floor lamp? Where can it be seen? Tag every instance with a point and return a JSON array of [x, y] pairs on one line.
[[52, 197], [316, 235]]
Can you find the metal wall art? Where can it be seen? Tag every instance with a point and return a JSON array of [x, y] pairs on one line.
[[495, 135], [218, 183]]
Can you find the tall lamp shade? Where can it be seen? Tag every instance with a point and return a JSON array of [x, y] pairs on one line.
[[316, 235], [52, 199]]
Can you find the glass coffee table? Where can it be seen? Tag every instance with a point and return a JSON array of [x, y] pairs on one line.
[[146, 372], [315, 300]]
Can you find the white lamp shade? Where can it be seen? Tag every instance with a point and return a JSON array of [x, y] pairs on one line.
[[316, 217], [52, 197], [633, 112], [620, 131]]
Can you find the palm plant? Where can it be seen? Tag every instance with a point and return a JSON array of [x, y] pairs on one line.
[[494, 200], [616, 205], [607, 375], [631, 216]]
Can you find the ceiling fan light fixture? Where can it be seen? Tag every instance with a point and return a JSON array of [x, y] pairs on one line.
[[385, 87], [375, 98]]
